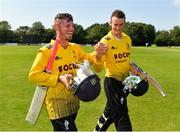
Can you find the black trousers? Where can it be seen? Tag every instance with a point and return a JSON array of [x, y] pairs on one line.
[[65, 123], [116, 110]]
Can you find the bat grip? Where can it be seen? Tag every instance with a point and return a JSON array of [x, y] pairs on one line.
[[53, 55], [138, 68]]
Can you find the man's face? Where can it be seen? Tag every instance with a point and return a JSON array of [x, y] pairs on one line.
[[117, 25], [65, 29]]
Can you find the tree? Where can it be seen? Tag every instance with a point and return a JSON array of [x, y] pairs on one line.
[[96, 32], [175, 35], [36, 32], [150, 33], [6, 35], [79, 34], [163, 38], [4, 25], [48, 35], [140, 33], [22, 33]]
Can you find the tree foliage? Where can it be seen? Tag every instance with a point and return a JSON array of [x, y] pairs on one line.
[[49, 34], [96, 32], [36, 32], [168, 38], [175, 35], [22, 33], [140, 34], [79, 34], [163, 38], [6, 34]]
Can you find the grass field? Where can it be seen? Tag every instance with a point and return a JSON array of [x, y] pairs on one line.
[[151, 112]]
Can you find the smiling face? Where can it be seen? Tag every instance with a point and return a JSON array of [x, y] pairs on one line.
[[117, 25], [67, 29], [64, 28], [117, 22]]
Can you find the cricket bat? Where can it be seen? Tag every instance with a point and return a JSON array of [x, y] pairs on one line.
[[150, 79], [40, 92]]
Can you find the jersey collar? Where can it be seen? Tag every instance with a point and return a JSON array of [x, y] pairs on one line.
[[53, 42], [111, 35]]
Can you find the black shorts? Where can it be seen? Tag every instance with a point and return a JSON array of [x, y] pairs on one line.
[[116, 98], [65, 123]]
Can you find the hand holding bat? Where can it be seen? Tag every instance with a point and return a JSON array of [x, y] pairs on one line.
[[150, 79]]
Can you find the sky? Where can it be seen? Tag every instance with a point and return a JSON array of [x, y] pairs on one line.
[[163, 14]]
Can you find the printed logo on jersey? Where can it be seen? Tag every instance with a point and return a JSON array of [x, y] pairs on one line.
[[58, 58], [128, 46], [74, 54], [68, 67], [121, 55], [113, 48], [107, 38]]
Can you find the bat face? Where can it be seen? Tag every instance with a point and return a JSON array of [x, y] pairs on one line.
[[156, 85], [36, 104]]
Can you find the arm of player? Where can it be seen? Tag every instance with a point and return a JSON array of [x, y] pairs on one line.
[[37, 73], [100, 50], [99, 53], [87, 56]]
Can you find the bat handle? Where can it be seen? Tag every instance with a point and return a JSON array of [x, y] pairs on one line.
[[50, 63]]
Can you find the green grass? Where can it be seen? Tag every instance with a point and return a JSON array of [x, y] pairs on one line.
[[150, 112]]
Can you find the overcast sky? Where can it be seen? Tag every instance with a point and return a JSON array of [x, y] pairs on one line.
[[163, 14]]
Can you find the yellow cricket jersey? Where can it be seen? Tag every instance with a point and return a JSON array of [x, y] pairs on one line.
[[116, 60], [59, 101]]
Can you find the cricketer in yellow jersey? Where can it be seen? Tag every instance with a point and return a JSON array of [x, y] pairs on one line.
[[116, 62], [61, 104]]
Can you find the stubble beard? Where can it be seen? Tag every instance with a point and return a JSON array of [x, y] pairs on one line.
[[69, 37]]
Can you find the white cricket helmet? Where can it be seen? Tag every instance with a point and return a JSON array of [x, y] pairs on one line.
[[135, 85]]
